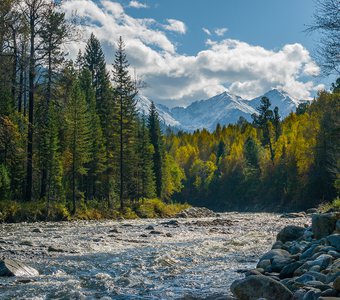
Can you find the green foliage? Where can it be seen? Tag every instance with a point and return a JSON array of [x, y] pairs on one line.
[[156, 208]]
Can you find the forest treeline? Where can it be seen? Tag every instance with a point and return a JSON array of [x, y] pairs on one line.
[[269, 164], [69, 130], [70, 133]]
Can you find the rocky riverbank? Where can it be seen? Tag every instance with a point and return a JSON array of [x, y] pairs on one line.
[[304, 264]]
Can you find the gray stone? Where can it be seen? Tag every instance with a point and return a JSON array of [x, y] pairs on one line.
[[311, 295], [323, 224], [312, 210], [277, 245], [150, 227], [155, 232], [55, 249], [27, 243], [334, 240], [294, 215], [329, 293], [290, 233], [336, 284], [308, 252], [337, 226], [37, 230], [257, 286], [264, 264], [288, 271], [278, 263], [10, 267], [275, 252]]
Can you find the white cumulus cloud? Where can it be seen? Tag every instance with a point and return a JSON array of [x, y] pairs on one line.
[[177, 79], [221, 31], [176, 25], [206, 30], [136, 4]]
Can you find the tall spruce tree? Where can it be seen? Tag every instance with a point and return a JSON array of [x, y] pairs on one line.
[[125, 92], [263, 120], [156, 140], [78, 136], [146, 178], [96, 164]]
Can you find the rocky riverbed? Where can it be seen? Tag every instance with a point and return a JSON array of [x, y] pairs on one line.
[[304, 264], [184, 258]]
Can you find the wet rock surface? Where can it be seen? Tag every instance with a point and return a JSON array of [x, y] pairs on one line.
[[10, 267], [303, 260], [191, 258]]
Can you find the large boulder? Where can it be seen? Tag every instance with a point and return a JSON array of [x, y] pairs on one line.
[[323, 224], [10, 267], [290, 233], [259, 286], [196, 212]]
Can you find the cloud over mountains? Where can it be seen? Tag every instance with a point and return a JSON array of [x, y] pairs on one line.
[[223, 65]]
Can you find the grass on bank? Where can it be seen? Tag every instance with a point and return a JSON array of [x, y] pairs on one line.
[[330, 206], [35, 211]]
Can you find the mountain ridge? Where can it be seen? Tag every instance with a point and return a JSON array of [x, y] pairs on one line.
[[224, 108]]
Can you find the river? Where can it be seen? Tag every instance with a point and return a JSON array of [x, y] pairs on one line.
[[196, 259]]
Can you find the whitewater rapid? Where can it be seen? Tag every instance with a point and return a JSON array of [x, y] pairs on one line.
[[197, 258]]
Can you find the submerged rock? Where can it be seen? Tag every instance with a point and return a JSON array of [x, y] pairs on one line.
[[259, 286], [10, 267]]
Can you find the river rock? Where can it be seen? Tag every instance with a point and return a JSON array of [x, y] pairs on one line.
[[294, 215], [150, 227], [278, 263], [312, 295], [337, 226], [156, 232], [55, 249], [323, 224], [290, 233], [334, 240], [37, 230], [259, 286], [275, 252], [196, 212], [10, 267], [312, 210], [288, 271], [336, 284]]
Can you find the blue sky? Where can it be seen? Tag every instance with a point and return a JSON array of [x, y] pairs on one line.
[[269, 23], [187, 50]]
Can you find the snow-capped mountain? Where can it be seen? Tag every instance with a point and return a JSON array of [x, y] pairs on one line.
[[224, 108], [143, 106]]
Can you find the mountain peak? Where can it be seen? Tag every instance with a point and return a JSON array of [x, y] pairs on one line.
[[224, 108]]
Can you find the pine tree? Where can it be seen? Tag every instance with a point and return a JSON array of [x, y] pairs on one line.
[[125, 92], [78, 134], [96, 164], [263, 121], [156, 140], [146, 176]]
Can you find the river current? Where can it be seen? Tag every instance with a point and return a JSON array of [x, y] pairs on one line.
[[195, 259]]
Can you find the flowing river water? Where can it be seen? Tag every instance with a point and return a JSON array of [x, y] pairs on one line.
[[196, 259]]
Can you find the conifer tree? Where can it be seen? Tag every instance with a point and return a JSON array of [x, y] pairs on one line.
[[96, 164], [146, 176], [78, 136], [156, 140], [263, 121], [125, 92]]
